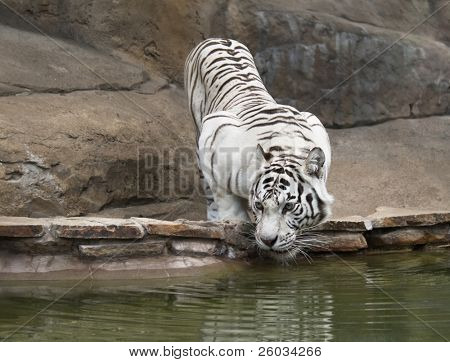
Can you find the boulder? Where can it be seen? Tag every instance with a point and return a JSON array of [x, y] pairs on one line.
[[78, 153], [68, 148], [83, 131]]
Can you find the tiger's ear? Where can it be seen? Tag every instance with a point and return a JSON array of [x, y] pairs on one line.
[[314, 162], [261, 157]]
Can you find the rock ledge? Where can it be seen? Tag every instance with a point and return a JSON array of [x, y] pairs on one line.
[[67, 243]]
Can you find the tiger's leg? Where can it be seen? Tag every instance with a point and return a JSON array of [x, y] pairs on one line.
[[231, 207], [212, 212]]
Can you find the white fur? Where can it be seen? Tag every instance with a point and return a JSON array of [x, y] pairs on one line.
[[229, 152]]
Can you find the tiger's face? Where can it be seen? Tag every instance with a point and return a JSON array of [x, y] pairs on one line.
[[287, 197]]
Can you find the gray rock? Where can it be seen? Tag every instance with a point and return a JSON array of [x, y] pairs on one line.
[[9, 90], [46, 244], [31, 62], [122, 250], [386, 217], [165, 210], [401, 164], [303, 47], [409, 236], [185, 228], [78, 153], [306, 48], [239, 254], [239, 235], [349, 223], [22, 227], [336, 242], [193, 247], [96, 228], [68, 267], [304, 56]]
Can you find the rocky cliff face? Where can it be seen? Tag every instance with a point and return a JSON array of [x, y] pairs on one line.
[[303, 48], [76, 107], [304, 54], [79, 130]]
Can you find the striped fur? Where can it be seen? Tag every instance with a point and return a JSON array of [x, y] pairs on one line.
[[256, 157]]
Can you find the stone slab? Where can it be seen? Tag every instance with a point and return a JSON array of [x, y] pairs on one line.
[[46, 244], [338, 242], [184, 228], [68, 267], [97, 228], [349, 223], [191, 247], [407, 236], [120, 250], [388, 217], [21, 227]]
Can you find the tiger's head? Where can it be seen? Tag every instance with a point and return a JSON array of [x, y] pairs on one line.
[[288, 196]]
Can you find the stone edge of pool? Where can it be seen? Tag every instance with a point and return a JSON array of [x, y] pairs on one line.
[[140, 248]]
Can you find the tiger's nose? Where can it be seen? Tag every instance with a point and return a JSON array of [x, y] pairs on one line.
[[270, 242]]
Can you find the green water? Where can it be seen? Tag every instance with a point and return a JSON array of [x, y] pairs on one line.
[[393, 297]]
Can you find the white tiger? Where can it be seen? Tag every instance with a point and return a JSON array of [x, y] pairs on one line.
[[254, 154]]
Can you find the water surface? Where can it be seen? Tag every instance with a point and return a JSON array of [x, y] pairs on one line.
[[391, 297]]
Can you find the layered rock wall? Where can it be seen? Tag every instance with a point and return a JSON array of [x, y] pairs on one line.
[[91, 90], [302, 48], [69, 247]]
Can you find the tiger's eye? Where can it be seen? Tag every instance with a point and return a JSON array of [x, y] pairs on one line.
[[289, 206], [259, 205]]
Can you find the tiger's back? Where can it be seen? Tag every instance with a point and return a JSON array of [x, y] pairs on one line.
[[220, 75]]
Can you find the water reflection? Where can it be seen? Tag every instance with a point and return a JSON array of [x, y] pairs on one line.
[[324, 301], [276, 309]]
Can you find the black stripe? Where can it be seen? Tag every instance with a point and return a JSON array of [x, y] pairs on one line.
[[273, 111], [271, 124], [309, 199], [320, 203], [275, 148], [285, 182], [242, 115], [300, 191], [218, 129]]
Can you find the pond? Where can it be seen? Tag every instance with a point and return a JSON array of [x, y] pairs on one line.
[[389, 297]]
